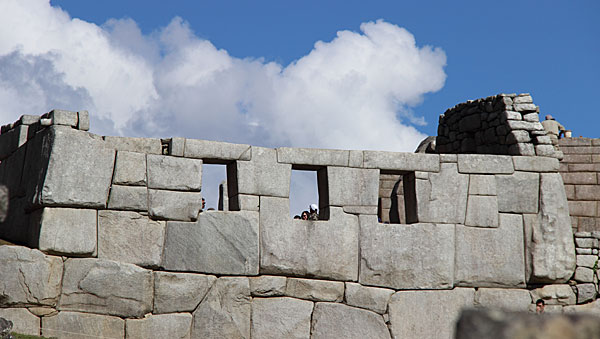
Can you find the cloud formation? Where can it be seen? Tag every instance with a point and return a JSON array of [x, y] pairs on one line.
[[354, 92]]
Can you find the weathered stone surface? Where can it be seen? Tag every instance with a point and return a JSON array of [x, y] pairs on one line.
[[491, 257], [352, 186], [554, 295], [584, 275], [518, 193], [416, 256], [130, 237], [357, 323], [355, 159], [360, 210], [448, 157], [132, 198], [177, 146], [174, 325], [75, 325], [130, 169], [11, 171], [503, 298], [216, 150], [312, 156], [482, 184], [372, 298], [586, 243], [170, 205], [23, 321], [485, 164], [587, 260], [517, 136], [428, 314], [139, 145], [62, 117], [243, 202], [263, 175], [268, 286], [225, 311], [42, 311], [535, 164], [550, 248], [442, 198], [173, 173], [180, 292], [493, 324], [281, 318], [586, 292], [79, 169], [315, 290], [67, 230], [219, 243], [590, 308], [322, 249], [83, 120], [482, 211], [401, 161], [11, 140], [37, 281], [106, 287]]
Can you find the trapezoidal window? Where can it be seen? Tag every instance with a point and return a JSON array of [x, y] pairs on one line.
[[308, 186], [397, 202], [214, 187]]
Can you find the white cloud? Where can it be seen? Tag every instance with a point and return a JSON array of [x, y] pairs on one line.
[[354, 92]]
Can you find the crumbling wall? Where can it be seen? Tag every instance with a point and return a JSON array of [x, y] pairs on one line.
[[501, 124], [116, 244]]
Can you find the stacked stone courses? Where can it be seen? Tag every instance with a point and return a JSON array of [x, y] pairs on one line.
[[111, 241], [501, 124]]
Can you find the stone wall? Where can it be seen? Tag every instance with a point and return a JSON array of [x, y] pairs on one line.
[[113, 243], [501, 124]]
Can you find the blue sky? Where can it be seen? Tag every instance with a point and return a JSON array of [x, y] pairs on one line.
[[548, 48]]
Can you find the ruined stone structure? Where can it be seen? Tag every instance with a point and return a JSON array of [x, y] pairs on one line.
[[111, 241]]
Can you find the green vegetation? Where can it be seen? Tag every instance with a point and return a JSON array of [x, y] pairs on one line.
[[27, 336]]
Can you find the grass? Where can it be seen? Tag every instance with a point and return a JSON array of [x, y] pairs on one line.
[[28, 336]]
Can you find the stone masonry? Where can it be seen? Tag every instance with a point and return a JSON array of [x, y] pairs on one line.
[[110, 240]]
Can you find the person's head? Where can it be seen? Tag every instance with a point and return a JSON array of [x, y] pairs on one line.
[[539, 306], [313, 208], [297, 217], [304, 215], [203, 203], [549, 117]]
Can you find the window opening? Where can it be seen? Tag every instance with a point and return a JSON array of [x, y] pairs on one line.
[[214, 179], [397, 198], [308, 187]]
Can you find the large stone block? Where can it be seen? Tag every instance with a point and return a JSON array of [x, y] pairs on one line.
[[535, 164], [219, 243], [518, 193], [29, 277], [174, 325], [131, 198], [371, 298], [4, 202], [313, 156], [106, 287], [332, 320], [263, 175], [139, 145], [130, 237], [130, 169], [225, 311], [78, 172], [482, 184], [75, 325], [268, 286], [11, 171], [555, 295], [322, 249], [485, 164], [180, 292], [171, 205], [216, 150], [11, 140], [416, 256], [315, 290], [491, 257], [549, 240], [401, 161], [503, 298], [482, 211], [281, 318], [352, 186], [590, 308], [173, 173], [24, 322], [442, 198], [428, 314], [66, 230]]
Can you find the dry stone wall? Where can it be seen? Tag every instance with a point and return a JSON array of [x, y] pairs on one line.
[[501, 124], [111, 241]]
